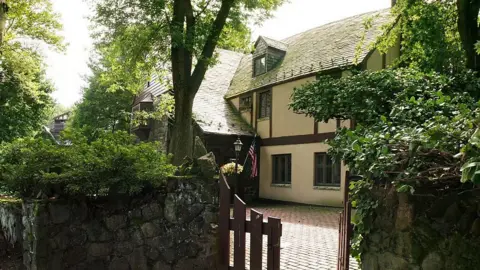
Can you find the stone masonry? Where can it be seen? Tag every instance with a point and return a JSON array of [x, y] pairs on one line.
[[423, 232], [172, 228]]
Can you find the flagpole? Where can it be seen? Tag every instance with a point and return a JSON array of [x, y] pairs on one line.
[[246, 158]]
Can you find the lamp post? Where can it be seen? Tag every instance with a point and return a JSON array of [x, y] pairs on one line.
[[238, 147]]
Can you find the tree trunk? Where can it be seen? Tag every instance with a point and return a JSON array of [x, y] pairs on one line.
[[181, 143], [185, 82], [3, 19], [468, 28]]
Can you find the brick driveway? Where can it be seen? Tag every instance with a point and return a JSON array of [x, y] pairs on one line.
[[309, 239]]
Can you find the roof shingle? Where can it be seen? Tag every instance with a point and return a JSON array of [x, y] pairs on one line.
[[211, 111], [326, 47]]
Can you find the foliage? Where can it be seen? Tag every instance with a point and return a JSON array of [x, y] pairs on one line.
[[365, 205], [101, 109], [32, 20], [112, 164], [229, 169], [24, 94], [56, 110], [136, 36], [163, 106], [429, 35], [410, 124], [140, 37], [24, 90], [414, 131]]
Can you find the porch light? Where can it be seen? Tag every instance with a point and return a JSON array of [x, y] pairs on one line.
[[238, 188], [238, 145]]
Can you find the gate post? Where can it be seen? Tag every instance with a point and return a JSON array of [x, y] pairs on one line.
[[345, 228]]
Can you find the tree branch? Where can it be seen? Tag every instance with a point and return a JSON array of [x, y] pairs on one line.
[[210, 45], [190, 37], [179, 74], [3, 19], [204, 8]]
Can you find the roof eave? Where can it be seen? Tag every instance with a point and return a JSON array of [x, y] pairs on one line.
[[292, 79]]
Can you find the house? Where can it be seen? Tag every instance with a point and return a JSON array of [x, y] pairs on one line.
[[58, 124], [249, 94]]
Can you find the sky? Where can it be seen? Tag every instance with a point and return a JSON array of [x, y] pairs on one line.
[[68, 69]]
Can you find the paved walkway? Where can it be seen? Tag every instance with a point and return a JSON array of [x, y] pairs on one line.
[[309, 240]]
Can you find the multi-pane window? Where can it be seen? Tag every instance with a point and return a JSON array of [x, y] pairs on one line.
[[327, 170], [260, 66], [246, 103], [282, 169], [264, 104]]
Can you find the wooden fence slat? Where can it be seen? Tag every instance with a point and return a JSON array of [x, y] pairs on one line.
[[248, 226], [339, 252], [347, 229], [340, 243], [256, 240], [239, 214], [344, 230], [224, 221], [273, 259]]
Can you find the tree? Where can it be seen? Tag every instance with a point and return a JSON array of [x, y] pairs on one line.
[[435, 35], [24, 91], [469, 30], [3, 18], [181, 35], [101, 109]]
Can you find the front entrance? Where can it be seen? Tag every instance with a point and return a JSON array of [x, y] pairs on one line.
[[310, 238]]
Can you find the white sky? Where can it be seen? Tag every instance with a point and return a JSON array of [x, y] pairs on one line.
[[67, 70]]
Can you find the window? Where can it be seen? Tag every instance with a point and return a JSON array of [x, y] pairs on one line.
[[327, 171], [264, 104], [246, 103], [260, 66], [282, 169]]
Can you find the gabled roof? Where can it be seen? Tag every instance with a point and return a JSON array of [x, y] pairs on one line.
[[152, 89], [273, 43], [329, 46], [211, 111]]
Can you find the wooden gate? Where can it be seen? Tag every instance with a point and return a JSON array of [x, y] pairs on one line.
[[345, 228], [240, 225]]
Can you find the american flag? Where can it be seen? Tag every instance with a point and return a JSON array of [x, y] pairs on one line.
[[253, 155]]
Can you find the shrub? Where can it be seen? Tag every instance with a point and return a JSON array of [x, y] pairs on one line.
[[416, 132], [410, 124], [112, 164]]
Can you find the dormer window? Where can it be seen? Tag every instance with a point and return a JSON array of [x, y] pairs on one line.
[[260, 65], [268, 55]]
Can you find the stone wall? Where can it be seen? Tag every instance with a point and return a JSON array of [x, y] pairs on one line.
[[425, 231], [173, 228], [10, 225]]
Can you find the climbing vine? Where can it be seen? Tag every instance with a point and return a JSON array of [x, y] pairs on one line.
[[365, 206]]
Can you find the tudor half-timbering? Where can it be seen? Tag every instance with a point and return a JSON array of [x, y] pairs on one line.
[[249, 94], [294, 165]]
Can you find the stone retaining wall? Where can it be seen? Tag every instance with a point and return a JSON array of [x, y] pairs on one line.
[[174, 228], [10, 225], [435, 231]]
